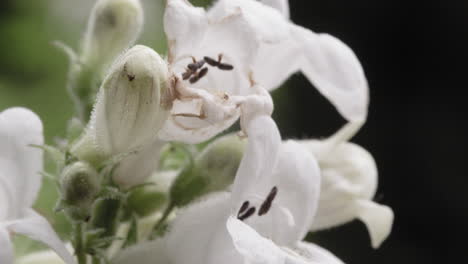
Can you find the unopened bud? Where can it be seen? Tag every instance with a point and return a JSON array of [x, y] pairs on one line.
[[213, 170], [130, 110], [113, 26], [147, 199], [79, 185]]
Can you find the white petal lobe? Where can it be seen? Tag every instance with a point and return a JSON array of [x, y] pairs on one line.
[[20, 162], [36, 227], [378, 219], [6, 246]]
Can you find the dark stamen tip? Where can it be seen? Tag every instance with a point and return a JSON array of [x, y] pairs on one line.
[[247, 214], [225, 67], [244, 207], [211, 61], [266, 205], [202, 72], [194, 79], [186, 75]]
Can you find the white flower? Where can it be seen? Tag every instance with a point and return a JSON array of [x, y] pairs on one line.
[[349, 182], [20, 181], [241, 31], [262, 220]]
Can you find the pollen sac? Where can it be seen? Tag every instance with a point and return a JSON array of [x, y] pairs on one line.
[[79, 186], [130, 107], [113, 26], [213, 170]]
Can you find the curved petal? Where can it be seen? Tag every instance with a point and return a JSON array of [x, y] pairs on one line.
[[297, 179], [316, 254], [145, 253], [204, 221], [377, 218], [281, 5], [259, 158], [21, 163], [349, 173], [135, 169], [36, 227], [326, 61], [257, 249], [6, 246]]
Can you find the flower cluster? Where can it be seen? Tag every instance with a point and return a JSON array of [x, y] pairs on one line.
[[137, 180]]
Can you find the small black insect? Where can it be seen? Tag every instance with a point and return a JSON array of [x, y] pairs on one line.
[[266, 205]]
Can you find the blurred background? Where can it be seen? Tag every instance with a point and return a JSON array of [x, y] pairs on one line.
[[414, 55]]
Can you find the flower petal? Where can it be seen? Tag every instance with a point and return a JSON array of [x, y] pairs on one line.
[[316, 254], [6, 246], [378, 219], [204, 221], [335, 71], [36, 227], [136, 168], [349, 182], [21, 163], [326, 61], [259, 158], [281, 5], [297, 179], [257, 249]]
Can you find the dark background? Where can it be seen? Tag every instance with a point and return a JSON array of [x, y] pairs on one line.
[[415, 58]]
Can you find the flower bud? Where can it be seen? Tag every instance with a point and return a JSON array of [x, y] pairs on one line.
[[148, 199], [214, 170], [79, 185], [113, 26], [130, 107]]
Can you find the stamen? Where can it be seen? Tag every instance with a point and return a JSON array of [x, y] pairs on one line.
[[187, 74], [211, 61], [247, 214], [244, 207], [194, 79], [266, 205], [202, 73], [225, 67]]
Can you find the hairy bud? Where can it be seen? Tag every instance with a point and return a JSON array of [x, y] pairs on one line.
[[129, 110], [113, 26], [79, 185]]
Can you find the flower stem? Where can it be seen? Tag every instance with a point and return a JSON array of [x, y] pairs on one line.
[[163, 219], [79, 243]]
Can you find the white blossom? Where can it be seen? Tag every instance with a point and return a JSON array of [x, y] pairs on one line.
[[240, 32], [262, 220], [349, 183], [20, 181]]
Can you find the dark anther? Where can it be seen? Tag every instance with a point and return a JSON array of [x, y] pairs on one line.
[[186, 75], [244, 207], [202, 73], [196, 65], [266, 205], [211, 61], [247, 214], [225, 67], [194, 79]]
